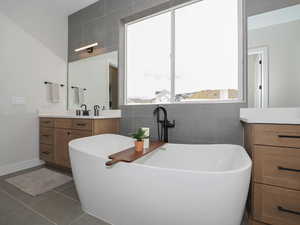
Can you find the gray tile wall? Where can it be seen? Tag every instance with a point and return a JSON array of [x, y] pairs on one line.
[[196, 123], [101, 21]]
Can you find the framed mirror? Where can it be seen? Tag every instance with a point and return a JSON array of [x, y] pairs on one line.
[[273, 58], [94, 81]]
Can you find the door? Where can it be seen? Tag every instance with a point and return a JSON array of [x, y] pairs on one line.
[[258, 78], [255, 81], [62, 139], [258, 81], [113, 87]]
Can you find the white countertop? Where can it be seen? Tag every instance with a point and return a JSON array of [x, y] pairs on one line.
[[106, 114], [271, 115], [270, 120]]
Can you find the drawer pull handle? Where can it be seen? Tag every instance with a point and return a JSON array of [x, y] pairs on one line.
[[81, 124], [46, 153], [45, 135], [46, 122], [288, 210], [288, 169], [289, 136]]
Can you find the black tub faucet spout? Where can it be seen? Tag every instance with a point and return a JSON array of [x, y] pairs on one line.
[[163, 124]]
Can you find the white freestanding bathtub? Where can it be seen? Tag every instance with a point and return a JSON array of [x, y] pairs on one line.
[[175, 185]]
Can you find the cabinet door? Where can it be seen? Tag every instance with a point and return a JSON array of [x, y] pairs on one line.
[[62, 138], [75, 134]]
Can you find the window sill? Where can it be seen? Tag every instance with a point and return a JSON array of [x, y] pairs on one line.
[[200, 102]]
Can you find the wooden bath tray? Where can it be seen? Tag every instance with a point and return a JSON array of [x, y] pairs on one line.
[[130, 155]]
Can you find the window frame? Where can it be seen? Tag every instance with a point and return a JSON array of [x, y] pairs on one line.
[[242, 45]]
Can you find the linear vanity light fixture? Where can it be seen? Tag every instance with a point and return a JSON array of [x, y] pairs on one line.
[[88, 48]]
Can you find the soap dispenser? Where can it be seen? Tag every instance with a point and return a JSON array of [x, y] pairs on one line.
[[147, 134]]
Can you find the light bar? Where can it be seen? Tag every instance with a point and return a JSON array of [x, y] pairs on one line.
[[86, 47]]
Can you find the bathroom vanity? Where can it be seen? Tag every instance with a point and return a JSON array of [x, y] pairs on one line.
[[57, 131], [272, 122], [274, 146], [92, 82]]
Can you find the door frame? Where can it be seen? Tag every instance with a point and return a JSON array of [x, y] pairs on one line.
[[111, 65], [264, 53]]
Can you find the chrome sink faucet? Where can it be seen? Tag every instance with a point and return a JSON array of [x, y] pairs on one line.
[[96, 110], [85, 111]]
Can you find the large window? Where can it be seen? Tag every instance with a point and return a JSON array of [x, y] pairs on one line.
[[190, 53]]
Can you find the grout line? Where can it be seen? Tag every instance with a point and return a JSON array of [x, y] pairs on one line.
[[28, 207], [77, 219], [66, 196]]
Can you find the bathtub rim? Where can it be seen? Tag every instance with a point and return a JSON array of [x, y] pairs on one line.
[[247, 166]]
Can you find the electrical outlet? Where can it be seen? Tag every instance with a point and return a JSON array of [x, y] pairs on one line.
[[18, 100]]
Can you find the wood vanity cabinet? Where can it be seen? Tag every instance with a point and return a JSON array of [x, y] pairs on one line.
[[275, 186], [56, 133]]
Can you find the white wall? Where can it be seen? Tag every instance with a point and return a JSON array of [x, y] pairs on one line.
[[284, 48], [33, 49]]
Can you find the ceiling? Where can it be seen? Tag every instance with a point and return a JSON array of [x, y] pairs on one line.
[[275, 17], [31, 7], [70, 6]]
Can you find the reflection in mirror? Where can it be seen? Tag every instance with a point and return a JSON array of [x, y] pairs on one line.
[[94, 81], [273, 58]]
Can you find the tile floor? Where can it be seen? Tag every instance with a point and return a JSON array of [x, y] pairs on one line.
[[57, 207]]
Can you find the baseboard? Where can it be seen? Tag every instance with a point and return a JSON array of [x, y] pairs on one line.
[[15, 167]]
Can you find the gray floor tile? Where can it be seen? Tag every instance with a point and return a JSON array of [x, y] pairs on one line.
[[65, 186], [14, 213], [71, 192], [58, 208], [89, 220], [8, 205]]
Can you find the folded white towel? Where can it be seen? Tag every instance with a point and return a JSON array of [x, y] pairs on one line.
[[54, 93], [81, 96], [76, 95]]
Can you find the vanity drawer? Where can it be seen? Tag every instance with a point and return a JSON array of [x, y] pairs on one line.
[[277, 135], [82, 124], [46, 136], [63, 123], [46, 153], [277, 166], [46, 122], [276, 206]]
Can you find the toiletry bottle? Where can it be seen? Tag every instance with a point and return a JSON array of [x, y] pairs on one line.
[[147, 133]]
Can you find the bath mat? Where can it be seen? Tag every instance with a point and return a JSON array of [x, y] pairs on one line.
[[39, 181]]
